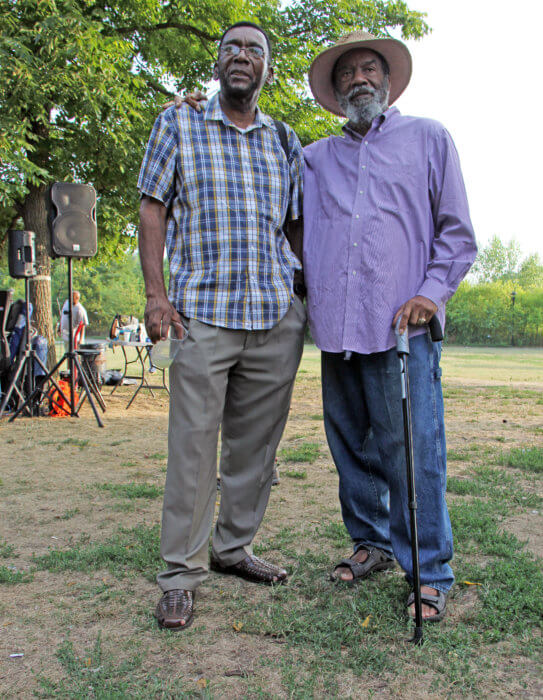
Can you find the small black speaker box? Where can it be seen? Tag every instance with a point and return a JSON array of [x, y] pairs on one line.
[[72, 220], [21, 253]]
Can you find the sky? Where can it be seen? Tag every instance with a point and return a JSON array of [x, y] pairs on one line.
[[478, 74]]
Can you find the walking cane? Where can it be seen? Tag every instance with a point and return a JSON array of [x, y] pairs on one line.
[[402, 348]]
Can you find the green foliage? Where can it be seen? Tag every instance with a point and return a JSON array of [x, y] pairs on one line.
[[107, 288], [530, 273], [82, 82], [497, 261], [485, 314], [505, 304]]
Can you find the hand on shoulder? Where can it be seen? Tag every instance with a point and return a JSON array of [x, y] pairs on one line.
[[193, 99]]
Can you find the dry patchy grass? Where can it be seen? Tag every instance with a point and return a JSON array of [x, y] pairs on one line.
[[85, 625]]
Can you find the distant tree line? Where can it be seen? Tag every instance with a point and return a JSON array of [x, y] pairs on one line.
[[501, 301]]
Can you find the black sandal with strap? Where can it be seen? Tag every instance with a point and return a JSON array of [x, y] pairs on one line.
[[438, 602], [377, 560]]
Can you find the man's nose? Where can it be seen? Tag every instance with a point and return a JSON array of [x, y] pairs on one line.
[[242, 55], [359, 77]]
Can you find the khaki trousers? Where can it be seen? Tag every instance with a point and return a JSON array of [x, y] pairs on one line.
[[239, 381]]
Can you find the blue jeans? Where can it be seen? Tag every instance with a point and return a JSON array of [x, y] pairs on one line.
[[364, 427]]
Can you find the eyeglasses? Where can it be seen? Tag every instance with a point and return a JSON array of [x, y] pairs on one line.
[[235, 50]]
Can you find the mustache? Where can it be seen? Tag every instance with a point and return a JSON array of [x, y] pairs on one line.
[[357, 91]]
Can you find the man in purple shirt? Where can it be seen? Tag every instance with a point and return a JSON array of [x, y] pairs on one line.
[[387, 236]]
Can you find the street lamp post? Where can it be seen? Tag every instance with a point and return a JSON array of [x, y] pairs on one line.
[[513, 297]]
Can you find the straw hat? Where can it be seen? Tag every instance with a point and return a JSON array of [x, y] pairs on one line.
[[320, 74]]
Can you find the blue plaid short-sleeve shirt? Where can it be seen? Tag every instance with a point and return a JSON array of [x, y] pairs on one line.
[[228, 191]]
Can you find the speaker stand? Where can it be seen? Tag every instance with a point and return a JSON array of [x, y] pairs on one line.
[[75, 369], [25, 369]]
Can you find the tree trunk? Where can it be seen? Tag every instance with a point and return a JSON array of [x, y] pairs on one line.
[[35, 219]]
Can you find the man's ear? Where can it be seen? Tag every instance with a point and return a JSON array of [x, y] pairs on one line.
[[270, 77], [216, 71]]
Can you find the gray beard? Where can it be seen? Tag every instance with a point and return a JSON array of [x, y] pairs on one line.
[[361, 114]]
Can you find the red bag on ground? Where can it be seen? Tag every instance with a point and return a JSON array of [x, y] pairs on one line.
[[57, 405]]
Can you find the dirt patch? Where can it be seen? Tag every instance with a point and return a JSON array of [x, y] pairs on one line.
[[528, 527]]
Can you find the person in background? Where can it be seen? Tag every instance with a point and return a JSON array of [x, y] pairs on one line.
[[79, 315]]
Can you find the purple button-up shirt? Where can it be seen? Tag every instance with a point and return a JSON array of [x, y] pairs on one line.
[[385, 218]]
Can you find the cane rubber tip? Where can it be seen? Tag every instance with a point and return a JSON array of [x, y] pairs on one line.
[[417, 638]]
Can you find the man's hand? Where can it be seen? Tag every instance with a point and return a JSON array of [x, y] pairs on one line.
[[417, 311], [159, 316], [193, 99]]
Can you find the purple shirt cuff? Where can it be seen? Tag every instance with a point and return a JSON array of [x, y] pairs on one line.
[[434, 291]]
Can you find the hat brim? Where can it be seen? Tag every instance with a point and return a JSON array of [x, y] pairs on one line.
[[395, 53]]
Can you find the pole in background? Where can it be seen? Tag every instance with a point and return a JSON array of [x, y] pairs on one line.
[[513, 297]]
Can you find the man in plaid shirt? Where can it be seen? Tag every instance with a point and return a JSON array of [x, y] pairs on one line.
[[216, 186]]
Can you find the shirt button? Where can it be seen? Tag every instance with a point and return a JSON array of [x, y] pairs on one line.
[[357, 216], [354, 272], [365, 143], [363, 167], [355, 244], [361, 191], [380, 128]]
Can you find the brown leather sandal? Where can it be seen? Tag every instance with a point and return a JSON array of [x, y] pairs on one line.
[[252, 569], [174, 606]]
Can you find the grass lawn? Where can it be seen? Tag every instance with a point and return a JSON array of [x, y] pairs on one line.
[[79, 552]]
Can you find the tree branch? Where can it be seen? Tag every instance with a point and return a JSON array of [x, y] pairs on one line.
[[207, 49], [156, 85], [167, 25]]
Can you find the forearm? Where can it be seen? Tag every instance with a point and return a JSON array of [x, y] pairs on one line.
[[454, 248], [151, 239], [452, 256], [295, 236]]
